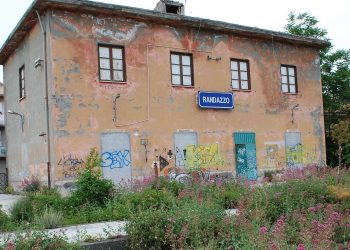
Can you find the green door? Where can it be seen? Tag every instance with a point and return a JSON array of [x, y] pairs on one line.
[[246, 155]]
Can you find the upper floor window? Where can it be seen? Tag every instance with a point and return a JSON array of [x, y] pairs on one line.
[[22, 86], [289, 79], [181, 69], [111, 63], [240, 78]]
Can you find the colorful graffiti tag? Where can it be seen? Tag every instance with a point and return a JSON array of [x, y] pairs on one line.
[[116, 159], [294, 155], [203, 156]]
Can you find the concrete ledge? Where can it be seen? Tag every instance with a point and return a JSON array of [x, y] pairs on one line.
[[80, 233], [7, 201]]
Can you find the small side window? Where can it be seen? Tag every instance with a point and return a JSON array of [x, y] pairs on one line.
[[22, 86], [289, 79], [111, 63]]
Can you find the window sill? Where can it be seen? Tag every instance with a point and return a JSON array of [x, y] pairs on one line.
[[287, 93], [22, 98], [242, 90], [183, 86], [113, 82]]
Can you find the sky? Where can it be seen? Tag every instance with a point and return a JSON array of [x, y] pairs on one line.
[[334, 16]]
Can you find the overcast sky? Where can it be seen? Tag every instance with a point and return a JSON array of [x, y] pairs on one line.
[[268, 14]]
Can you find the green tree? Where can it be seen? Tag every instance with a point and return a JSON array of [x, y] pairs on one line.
[[335, 72]]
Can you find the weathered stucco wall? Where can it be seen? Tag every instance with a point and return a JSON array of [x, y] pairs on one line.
[[27, 150], [148, 107]]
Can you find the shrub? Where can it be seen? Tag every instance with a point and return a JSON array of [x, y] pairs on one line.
[[170, 185], [22, 210], [39, 240], [49, 219], [4, 220], [31, 184], [185, 227], [228, 195], [90, 186], [47, 199], [147, 199]]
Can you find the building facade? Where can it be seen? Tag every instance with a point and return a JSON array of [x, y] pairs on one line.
[[157, 89], [3, 169]]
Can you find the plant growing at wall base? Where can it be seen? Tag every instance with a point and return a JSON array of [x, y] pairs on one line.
[[90, 186], [31, 184]]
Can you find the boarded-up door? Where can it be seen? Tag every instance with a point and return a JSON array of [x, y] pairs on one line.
[[116, 158], [294, 151], [246, 155], [181, 140]]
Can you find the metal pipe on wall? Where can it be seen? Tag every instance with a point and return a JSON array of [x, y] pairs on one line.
[[46, 102]]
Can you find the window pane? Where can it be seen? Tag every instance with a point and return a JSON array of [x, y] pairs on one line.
[[118, 64], [234, 65], [291, 80], [176, 80], [187, 81], [291, 71], [117, 53], [118, 75], [175, 59], [284, 88], [105, 74], [234, 75], [175, 69], [234, 84], [104, 63], [244, 84], [186, 70], [284, 79], [283, 70], [104, 52], [243, 66], [292, 88], [186, 60], [244, 76]]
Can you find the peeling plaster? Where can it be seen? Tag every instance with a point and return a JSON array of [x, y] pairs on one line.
[[64, 104], [316, 116], [62, 133]]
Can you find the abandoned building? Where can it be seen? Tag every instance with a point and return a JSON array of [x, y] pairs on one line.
[[3, 169], [156, 90]]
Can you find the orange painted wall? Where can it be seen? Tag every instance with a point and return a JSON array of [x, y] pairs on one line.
[[148, 104]]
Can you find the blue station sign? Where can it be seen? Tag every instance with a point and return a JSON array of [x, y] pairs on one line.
[[215, 100]]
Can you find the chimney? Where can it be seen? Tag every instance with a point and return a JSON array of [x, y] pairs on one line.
[[170, 7]]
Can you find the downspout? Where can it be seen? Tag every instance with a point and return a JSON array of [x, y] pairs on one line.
[[46, 103]]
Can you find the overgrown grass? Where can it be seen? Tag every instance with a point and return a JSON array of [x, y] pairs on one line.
[[303, 208]]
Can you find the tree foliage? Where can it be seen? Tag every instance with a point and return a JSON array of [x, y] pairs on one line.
[[335, 72]]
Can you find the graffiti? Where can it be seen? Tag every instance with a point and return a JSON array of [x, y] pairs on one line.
[[294, 155], [162, 163], [203, 156], [71, 165], [310, 156], [116, 159], [114, 119], [180, 157], [271, 156]]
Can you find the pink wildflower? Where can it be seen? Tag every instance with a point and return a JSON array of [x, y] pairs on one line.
[[263, 230], [301, 247], [312, 209]]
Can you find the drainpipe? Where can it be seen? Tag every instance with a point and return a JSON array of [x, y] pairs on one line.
[[46, 103]]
